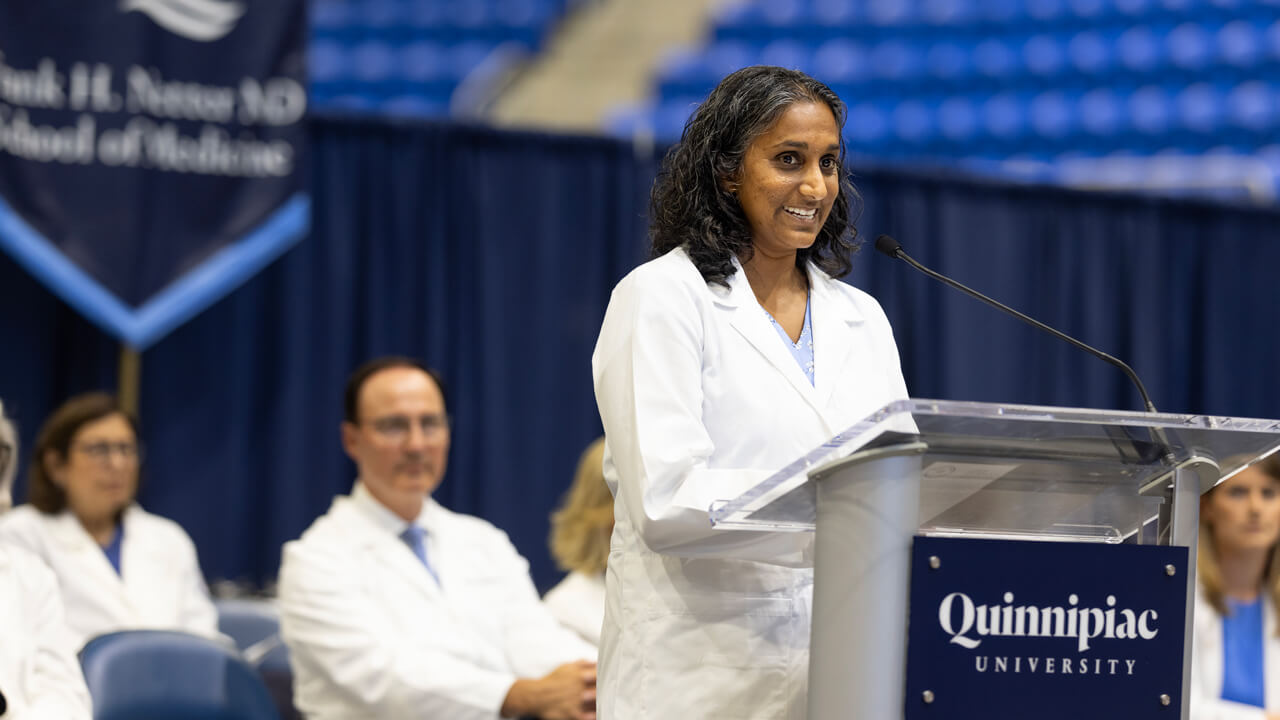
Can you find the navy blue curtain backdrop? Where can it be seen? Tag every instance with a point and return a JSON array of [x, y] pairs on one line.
[[491, 254]]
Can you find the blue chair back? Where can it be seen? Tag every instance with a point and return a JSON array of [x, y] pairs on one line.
[[162, 674]]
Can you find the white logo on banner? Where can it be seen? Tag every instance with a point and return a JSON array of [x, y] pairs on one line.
[[1081, 624], [201, 20]]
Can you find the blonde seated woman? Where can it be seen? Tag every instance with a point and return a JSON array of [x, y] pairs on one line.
[[580, 532], [118, 566], [1235, 667]]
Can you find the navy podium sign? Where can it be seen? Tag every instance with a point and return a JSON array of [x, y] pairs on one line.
[[150, 150], [1005, 630]]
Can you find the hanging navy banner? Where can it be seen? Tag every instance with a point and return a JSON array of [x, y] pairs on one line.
[[1005, 630], [150, 150]]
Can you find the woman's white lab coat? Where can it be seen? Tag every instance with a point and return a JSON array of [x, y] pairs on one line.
[[700, 399], [161, 586], [39, 674], [1207, 662]]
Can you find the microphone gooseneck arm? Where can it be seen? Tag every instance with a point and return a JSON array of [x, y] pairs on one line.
[[890, 247]]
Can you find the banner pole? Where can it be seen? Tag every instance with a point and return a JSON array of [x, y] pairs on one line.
[[130, 378]]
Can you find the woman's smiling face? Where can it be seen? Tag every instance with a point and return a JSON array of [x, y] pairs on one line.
[[789, 179]]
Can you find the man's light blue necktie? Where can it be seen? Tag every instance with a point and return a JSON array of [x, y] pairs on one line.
[[416, 538]]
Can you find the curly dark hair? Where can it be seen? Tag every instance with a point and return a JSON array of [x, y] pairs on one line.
[[690, 205]]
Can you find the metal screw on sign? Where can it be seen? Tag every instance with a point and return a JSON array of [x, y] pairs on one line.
[[1170, 570], [927, 695], [935, 562], [1165, 700]]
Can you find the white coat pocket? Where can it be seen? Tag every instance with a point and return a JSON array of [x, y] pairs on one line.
[[725, 657]]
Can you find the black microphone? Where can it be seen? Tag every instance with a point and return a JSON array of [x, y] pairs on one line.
[[890, 247]]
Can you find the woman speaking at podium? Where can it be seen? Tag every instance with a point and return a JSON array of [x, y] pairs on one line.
[[1235, 664], [732, 352]]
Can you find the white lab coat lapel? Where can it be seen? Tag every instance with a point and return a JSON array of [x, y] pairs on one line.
[[832, 341], [751, 321], [88, 557], [389, 551]]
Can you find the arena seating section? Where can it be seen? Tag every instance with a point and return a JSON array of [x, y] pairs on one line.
[[407, 57], [1031, 86], [1175, 94]]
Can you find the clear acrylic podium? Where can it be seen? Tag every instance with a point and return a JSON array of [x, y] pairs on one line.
[[943, 468]]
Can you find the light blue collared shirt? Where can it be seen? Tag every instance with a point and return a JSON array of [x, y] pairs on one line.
[[417, 541], [801, 349]]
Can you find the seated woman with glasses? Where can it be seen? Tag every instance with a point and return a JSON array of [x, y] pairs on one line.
[[118, 566]]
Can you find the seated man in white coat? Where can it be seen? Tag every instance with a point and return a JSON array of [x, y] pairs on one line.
[[394, 607]]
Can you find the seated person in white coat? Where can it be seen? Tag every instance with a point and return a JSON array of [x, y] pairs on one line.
[[580, 532], [118, 566], [733, 352], [394, 607], [1235, 665], [40, 678]]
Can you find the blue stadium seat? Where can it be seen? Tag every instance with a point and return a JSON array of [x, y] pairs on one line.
[[160, 675], [994, 59], [425, 62], [888, 13], [1240, 43], [376, 15], [1052, 114], [1045, 11], [1004, 117], [329, 15], [1002, 12], [669, 119], [1090, 53], [1139, 49], [327, 61], [254, 626], [913, 122], [782, 13], [1101, 112], [944, 13], [1044, 55], [836, 13], [1151, 110], [1088, 11], [895, 60], [723, 58], [373, 62], [841, 62], [959, 120], [788, 54], [1190, 47], [948, 61], [1199, 108], [1134, 8], [628, 121], [1253, 106], [866, 125]]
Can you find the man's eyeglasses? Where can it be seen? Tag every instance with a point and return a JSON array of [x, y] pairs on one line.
[[102, 451], [396, 428]]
